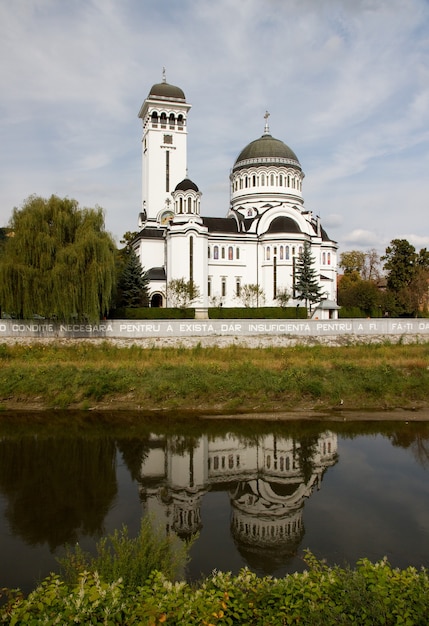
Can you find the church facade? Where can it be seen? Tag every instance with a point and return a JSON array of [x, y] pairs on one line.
[[258, 241]]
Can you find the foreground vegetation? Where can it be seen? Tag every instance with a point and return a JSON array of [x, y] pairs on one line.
[[83, 375], [122, 586]]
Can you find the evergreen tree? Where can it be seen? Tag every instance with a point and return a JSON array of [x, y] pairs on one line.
[[60, 261], [307, 286], [132, 289]]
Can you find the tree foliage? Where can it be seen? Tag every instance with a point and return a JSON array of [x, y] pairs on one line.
[[182, 293], [252, 295], [132, 287], [307, 286], [60, 261], [407, 276]]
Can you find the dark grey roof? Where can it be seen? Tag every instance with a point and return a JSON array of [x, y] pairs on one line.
[[185, 185], [155, 273], [283, 224], [167, 92], [151, 233], [325, 236], [266, 151], [221, 224]]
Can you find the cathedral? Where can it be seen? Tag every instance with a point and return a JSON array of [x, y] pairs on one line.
[[258, 241]]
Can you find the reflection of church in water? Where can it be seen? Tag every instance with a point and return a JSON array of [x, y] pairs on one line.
[[267, 481]]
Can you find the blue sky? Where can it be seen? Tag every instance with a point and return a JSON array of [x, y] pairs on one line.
[[346, 83]]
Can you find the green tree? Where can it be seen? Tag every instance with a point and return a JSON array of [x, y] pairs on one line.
[[132, 287], [307, 286], [181, 293], [352, 261], [399, 261], [252, 295], [407, 277], [60, 261], [362, 294]]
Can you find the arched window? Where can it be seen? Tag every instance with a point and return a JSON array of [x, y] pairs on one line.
[[268, 253], [163, 119], [254, 180], [216, 252], [272, 180], [262, 179], [154, 118], [180, 205], [237, 253], [288, 180], [223, 252], [230, 253], [281, 180], [287, 253], [281, 253], [189, 205], [323, 258], [208, 252], [171, 119], [329, 258], [180, 121]]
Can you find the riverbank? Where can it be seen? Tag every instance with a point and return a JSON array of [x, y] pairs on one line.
[[271, 382]]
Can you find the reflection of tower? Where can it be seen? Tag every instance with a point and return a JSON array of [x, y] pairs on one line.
[[172, 483]]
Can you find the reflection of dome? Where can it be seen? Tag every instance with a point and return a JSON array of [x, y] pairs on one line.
[[186, 185], [167, 92], [266, 151]]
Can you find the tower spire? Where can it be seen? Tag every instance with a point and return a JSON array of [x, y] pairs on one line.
[[266, 128]]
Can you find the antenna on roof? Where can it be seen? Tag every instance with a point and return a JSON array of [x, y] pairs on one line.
[[266, 128], [164, 80]]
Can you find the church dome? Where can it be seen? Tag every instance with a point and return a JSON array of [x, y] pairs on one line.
[[186, 185], [266, 151], [167, 92]]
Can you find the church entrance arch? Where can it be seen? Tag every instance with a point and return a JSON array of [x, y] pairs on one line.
[[156, 300]]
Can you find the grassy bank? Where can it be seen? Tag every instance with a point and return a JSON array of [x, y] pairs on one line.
[[233, 379]]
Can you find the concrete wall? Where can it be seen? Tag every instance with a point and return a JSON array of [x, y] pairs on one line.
[[143, 329]]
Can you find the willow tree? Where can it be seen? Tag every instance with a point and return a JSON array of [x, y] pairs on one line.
[[60, 261]]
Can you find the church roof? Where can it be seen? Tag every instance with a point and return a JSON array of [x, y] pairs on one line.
[[185, 185], [155, 273], [266, 151], [166, 91], [151, 233], [221, 224], [284, 224]]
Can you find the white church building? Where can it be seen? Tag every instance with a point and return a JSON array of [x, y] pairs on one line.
[[256, 243]]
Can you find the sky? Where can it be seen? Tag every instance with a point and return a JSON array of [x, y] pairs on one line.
[[346, 83]]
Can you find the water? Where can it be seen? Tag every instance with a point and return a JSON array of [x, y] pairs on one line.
[[258, 494]]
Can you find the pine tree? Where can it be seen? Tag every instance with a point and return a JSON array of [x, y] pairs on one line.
[[60, 261], [307, 286], [132, 286]]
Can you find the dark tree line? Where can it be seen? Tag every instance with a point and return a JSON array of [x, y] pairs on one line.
[[401, 290]]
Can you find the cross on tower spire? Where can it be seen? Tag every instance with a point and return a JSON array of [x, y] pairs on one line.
[[164, 79]]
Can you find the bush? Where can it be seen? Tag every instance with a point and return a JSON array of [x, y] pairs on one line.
[[267, 312], [130, 559], [149, 313], [369, 595]]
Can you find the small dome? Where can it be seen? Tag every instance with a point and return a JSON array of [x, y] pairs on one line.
[[266, 151], [186, 185], [167, 92]]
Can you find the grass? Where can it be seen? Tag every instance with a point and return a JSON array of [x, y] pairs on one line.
[[84, 375]]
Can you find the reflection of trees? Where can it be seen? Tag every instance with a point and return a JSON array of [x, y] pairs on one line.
[[134, 451], [306, 451], [57, 487], [417, 442]]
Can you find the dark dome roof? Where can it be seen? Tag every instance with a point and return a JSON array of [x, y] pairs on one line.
[[283, 224], [186, 185], [167, 92], [266, 151]]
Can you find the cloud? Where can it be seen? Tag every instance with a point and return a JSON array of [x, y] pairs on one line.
[[346, 84]]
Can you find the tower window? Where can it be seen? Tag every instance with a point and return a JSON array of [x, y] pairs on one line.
[[230, 253], [223, 252], [237, 253], [167, 170], [216, 252], [223, 291]]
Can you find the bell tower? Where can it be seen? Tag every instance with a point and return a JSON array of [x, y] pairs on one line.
[[164, 150]]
